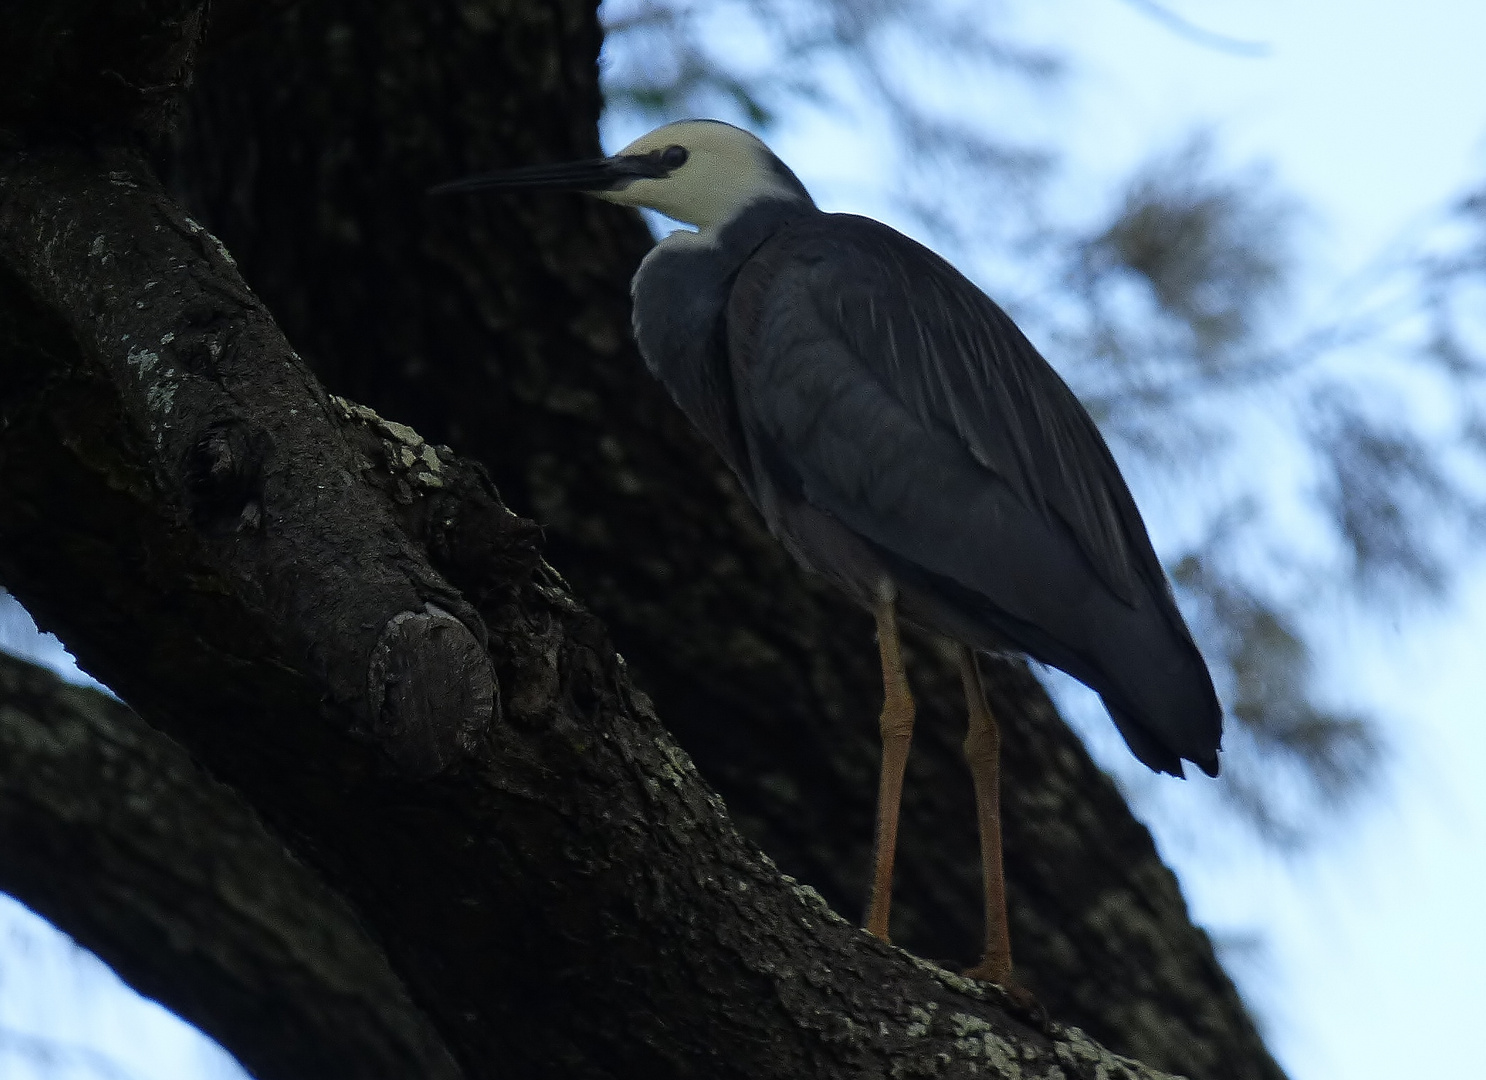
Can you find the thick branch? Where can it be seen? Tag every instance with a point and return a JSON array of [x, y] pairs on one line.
[[554, 884], [194, 425], [740, 649], [109, 828], [500, 325]]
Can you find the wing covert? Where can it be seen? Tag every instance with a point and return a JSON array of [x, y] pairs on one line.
[[861, 303]]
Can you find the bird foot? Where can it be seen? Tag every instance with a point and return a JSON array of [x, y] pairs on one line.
[[991, 972], [1019, 1000]]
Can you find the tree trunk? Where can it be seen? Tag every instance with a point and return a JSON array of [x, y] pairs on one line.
[[276, 578]]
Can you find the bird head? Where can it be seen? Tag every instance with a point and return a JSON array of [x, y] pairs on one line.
[[699, 172]]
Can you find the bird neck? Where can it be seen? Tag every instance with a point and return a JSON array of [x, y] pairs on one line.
[[734, 239]]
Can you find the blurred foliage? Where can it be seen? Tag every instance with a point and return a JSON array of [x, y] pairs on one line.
[[1173, 314], [1200, 34], [1285, 754], [758, 58], [1170, 297], [1210, 254], [751, 61], [1382, 485], [1452, 274]]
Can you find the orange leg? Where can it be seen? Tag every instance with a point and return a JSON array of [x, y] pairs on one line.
[[983, 752], [897, 732]]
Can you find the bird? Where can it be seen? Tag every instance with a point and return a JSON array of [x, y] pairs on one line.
[[903, 439]]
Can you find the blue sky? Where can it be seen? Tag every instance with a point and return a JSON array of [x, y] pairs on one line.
[[1375, 115]]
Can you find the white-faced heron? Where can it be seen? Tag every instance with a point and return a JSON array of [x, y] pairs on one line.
[[904, 439]]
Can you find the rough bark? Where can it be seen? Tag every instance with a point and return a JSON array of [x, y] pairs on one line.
[[555, 885], [500, 326], [252, 564], [110, 828]]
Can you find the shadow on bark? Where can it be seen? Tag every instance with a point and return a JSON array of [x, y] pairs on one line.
[[348, 625], [501, 327]]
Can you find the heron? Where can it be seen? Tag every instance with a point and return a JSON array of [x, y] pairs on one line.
[[905, 440]]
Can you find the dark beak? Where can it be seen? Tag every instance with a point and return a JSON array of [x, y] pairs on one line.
[[601, 174]]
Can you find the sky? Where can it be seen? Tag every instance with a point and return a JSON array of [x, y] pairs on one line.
[[1372, 943], [1374, 113]]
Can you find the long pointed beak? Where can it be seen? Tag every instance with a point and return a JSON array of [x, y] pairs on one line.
[[600, 174]]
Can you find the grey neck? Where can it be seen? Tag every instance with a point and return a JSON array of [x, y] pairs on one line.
[[740, 236]]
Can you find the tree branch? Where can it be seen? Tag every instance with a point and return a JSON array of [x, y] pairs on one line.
[[111, 830], [501, 326], [554, 884], [233, 476], [557, 889]]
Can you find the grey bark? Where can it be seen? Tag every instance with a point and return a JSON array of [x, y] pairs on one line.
[[349, 626], [500, 326], [110, 828], [555, 885]]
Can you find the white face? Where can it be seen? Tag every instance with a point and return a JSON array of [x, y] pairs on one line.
[[726, 169]]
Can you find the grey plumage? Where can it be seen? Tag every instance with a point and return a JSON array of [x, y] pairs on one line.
[[890, 420], [896, 429], [903, 438]]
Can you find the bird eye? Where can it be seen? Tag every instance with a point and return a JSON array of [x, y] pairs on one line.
[[673, 157]]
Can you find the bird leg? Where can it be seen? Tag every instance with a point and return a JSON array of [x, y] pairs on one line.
[[897, 731], [983, 752]]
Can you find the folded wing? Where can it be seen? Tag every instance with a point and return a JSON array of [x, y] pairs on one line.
[[901, 400]]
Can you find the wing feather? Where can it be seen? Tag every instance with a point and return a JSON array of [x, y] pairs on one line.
[[958, 365], [879, 386]]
